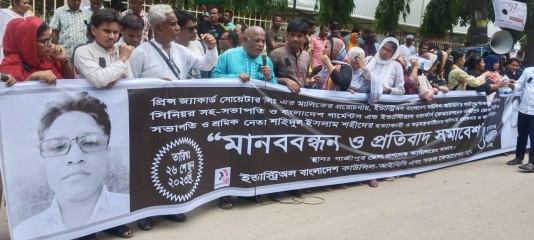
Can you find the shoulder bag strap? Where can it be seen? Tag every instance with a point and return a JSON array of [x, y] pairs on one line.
[[173, 66]]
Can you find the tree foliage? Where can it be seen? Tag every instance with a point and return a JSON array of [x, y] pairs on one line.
[[257, 6], [443, 16], [387, 14], [334, 9]]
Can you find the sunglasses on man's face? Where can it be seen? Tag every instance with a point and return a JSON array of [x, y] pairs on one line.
[[191, 29]]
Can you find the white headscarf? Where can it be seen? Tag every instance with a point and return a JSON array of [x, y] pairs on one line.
[[355, 51], [395, 54], [383, 68]]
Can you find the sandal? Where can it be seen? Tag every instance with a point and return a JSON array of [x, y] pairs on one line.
[[145, 224], [275, 197], [121, 231], [226, 203], [373, 183], [515, 161], [527, 167], [255, 199], [176, 217]]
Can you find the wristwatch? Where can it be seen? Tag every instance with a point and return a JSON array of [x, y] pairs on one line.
[[4, 77]]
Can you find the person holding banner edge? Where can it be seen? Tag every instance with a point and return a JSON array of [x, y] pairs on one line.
[[163, 58], [30, 54], [100, 62]]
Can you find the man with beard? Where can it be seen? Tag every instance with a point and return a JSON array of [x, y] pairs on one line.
[[291, 63], [100, 62], [275, 37], [163, 58]]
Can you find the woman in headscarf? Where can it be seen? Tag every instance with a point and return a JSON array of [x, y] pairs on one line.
[[386, 68], [333, 74], [363, 81], [353, 40], [30, 54], [493, 65]]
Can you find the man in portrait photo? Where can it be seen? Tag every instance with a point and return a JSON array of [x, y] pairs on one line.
[[74, 134]]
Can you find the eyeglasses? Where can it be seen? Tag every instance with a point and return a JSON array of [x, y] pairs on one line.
[[191, 29], [61, 146], [45, 42]]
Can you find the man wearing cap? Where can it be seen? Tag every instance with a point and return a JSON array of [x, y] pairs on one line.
[[409, 44]]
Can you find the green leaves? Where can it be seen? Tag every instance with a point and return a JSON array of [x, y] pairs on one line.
[[440, 17], [334, 9], [387, 14], [257, 6]]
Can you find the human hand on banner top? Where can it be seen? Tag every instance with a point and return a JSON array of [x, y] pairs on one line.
[[209, 40], [10, 80], [293, 86], [244, 77], [45, 75]]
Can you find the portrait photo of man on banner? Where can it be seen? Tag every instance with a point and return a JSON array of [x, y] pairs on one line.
[[76, 166]]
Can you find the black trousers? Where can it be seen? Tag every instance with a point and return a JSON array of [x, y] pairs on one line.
[[525, 130]]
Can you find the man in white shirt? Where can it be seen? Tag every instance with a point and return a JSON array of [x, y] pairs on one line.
[[100, 62], [75, 170], [93, 6], [132, 26], [161, 57], [409, 44], [188, 38], [19, 10]]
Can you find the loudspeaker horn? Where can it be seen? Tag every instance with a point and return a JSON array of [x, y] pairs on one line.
[[501, 42]]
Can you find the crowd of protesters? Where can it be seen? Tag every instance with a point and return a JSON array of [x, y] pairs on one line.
[[103, 46]]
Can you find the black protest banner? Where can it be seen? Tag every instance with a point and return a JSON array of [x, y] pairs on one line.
[[173, 146]]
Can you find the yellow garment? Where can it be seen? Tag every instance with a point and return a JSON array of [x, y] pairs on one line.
[[353, 41], [458, 79]]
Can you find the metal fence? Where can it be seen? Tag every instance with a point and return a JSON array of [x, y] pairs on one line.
[[45, 10]]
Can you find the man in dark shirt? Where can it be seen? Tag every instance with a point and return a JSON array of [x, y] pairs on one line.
[[290, 62], [212, 26]]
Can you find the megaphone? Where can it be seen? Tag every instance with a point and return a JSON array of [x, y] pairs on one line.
[[501, 42]]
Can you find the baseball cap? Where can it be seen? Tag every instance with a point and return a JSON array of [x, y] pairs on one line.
[[409, 36]]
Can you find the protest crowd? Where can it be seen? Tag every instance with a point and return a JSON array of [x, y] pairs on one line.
[[105, 45]]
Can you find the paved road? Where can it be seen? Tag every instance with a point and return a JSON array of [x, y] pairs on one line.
[[480, 200]]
